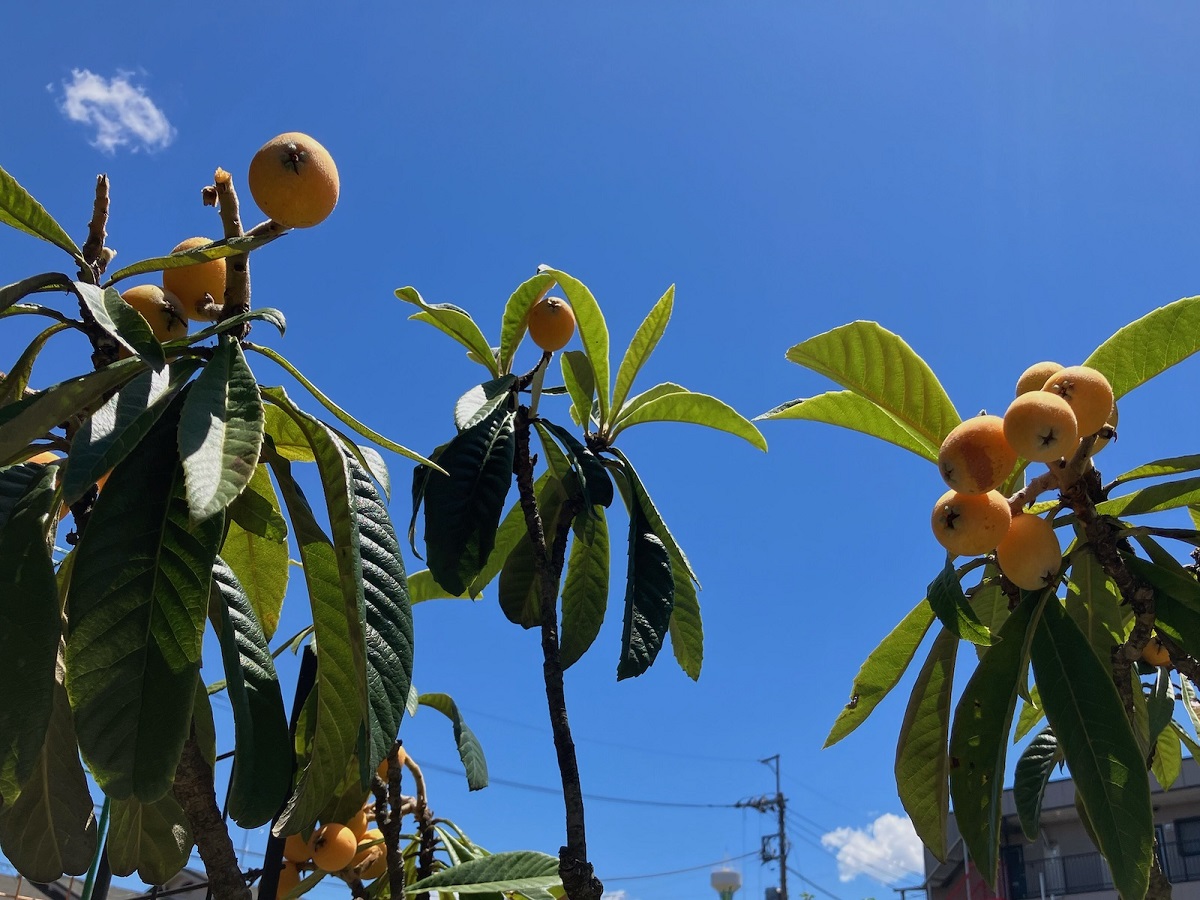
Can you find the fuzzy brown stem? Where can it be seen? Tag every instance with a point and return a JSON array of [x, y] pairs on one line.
[[93, 247], [389, 804], [237, 267], [578, 877], [194, 790]]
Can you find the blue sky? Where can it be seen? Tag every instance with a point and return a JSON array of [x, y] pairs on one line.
[[999, 183]]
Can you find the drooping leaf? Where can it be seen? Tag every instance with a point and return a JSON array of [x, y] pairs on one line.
[[462, 508], [580, 383], [220, 431], [139, 595], [30, 631], [687, 628], [221, 249], [256, 549], [122, 322], [456, 323], [697, 409], [645, 339], [21, 211], [585, 589], [1034, 768], [518, 870], [869, 360], [516, 312], [593, 333], [847, 409], [1175, 597], [482, 400], [518, 590], [204, 726], [262, 765], [469, 749], [12, 385], [13, 293], [1168, 758], [286, 435], [640, 497], [950, 604], [1085, 710], [922, 764], [649, 597], [509, 534], [1094, 602], [589, 470], [1149, 346], [1160, 705], [153, 839]]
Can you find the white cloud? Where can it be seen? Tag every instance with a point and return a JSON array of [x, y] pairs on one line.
[[615, 895], [118, 110], [887, 850]]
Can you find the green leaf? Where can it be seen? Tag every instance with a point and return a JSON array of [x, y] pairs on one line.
[[1094, 602], [922, 766], [882, 670], [261, 314], [51, 828], [950, 604], [1175, 465], [342, 416], [482, 400], [13, 385], [110, 434], [847, 409], [463, 507], [1108, 769], [422, 587], [289, 440], [588, 468], [220, 431], [1033, 771], [1186, 739], [979, 736], [203, 725], [256, 548], [581, 385], [1188, 690], [30, 631], [1160, 704], [871, 361], [122, 322], [519, 870], [510, 532], [221, 249], [262, 761], [516, 312], [593, 333], [153, 839], [641, 498], [645, 339], [1176, 599], [649, 598], [1148, 346], [456, 323], [519, 592], [647, 396], [1157, 497], [686, 629], [698, 409], [33, 417], [13, 293], [1031, 714], [1168, 758], [139, 595], [469, 749], [585, 590], [21, 211], [14, 482]]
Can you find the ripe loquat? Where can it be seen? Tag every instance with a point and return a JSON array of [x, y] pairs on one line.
[[1041, 426], [289, 880], [1088, 393], [191, 283], [1035, 377], [358, 823], [372, 854], [1029, 554], [1155, 653], [333, 846], [551, 323], [970, 524], [293, 180], [296, 849], [975, 456], [160, 308], [400, 756]]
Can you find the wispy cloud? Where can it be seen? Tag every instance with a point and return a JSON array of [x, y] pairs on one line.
[[615, 895], [119, 111], [887, 850]]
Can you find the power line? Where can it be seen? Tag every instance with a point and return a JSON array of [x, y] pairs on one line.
[[814, 884], [707, 865]]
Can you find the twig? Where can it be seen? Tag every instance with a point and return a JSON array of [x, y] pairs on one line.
[[93, 248]]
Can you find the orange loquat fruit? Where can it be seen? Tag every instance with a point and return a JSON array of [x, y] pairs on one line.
[[970, 524], [293, 180]]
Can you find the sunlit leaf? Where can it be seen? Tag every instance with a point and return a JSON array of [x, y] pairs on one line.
[[847, 409], [482, 400], [580, 383], [12, 293], [951, 607], [593, 333], [122, 322], [645, 339], [226, 247], [256, 548], [696, 409], [514, 871], [1149, 346], [516, 312], [456, 323]]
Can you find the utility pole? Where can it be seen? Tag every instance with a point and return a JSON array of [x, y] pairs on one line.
[[779, 804]]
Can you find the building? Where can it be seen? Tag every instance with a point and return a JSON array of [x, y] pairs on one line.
[[1063, 861]]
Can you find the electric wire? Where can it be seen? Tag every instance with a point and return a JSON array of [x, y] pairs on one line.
[[707, 865]]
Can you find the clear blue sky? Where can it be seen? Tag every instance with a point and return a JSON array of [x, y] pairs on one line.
[[999, 182]]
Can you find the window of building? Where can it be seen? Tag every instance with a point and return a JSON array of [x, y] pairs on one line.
[[1187, 836]]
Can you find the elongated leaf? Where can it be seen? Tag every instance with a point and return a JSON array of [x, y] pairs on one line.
[[215, 250], [462, 508], [261, 314], [31, 418], [1108, 769], [30, 631], [122, 322], [220, 431], [847, 409], [871, 361], [882, 670], [697, 409], [139, 595], [153, 839], [593, 477], [581, 385], [1160, 705], [21, 211], [1031, 714], [1187, 740], [286, 434], [1168, 758], [649, 598], [687, 629], [262, 760], [456, 323], [14, 482], [641, 498], [1149, 346], [516, 312], [922, 764], [1034, 768], [256, 549], [342, 416], [482, 400], [469, 749], [12, 385], [51, 828], [1094, 602], [593, 333], [519, 591], [1157, 497], [509, 534], [647, 396], [1175, 598], [12, 293], [645, 339], [950, 604], [1175, 465], [519, 870], [979, 736], [585, 590], [1188, 690]]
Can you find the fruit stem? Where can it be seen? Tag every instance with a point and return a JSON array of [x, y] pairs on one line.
[[535, 384], [93, 247]]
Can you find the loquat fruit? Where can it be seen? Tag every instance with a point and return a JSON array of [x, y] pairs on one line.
[[333, 846], [161, 309], [382, 770], [376, 867], [358, 823], [1088, 393], [1102, 442], [191, 283], [970, 524], [1041, 426], [372, 854], [1029, 553], [296, 849], [289, 880], [551, 323], [975, 456], [1155, 653], [293, 180], [1035, 377]]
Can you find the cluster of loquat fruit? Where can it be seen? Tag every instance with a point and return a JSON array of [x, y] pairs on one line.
[[1055, 409]]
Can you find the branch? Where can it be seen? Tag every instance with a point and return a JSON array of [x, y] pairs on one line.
[[389, 805], [94, 252]]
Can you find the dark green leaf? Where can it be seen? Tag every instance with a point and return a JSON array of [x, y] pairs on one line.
[[641, 498], [950, 604], [645, 339], [12, 385], [1033, 771], [1085, 710], [649, 597], [516, 312], [585, 590], [697, 409], [922, 764], [12, 293], [256, 549], [122, 322], [1094, 602], [456, 323], [482, 400], [203, 724], [518, 870], [1175, 597], [14, 482], [1148, 346], [581, 385], [153, 839], [509, 533], [1168, 758], [213, 250], [847, 409], [21, 211], [592, 475], [469, 749], [262, 762]]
